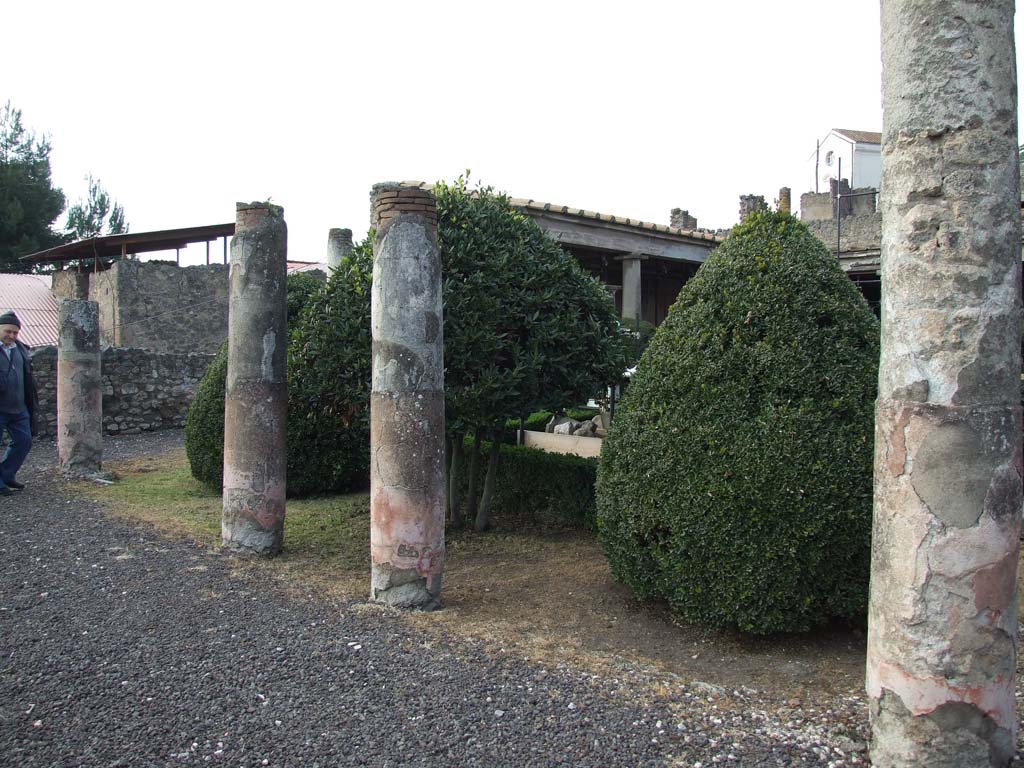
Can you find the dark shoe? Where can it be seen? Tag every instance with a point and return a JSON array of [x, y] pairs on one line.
[[5, 491], [14, 485]]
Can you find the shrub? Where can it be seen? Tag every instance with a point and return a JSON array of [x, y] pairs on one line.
[[329, 383], [204, 425], [328, 387], [534, 485], [302, 286], [546, 486], [736, 479]]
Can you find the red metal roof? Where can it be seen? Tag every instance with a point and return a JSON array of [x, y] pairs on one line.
[[34, 304]]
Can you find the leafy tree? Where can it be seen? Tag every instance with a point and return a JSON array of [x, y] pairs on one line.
[[302, 287], [29, 203], [525, 328], [98, 214], [735, 482]]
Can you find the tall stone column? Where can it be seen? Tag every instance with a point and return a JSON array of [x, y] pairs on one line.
[[942, 638], [256, 394], [632, 296], [407, 472], [79, 388], [339, 244]]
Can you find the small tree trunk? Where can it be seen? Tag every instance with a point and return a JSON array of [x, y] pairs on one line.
[[483, 516], [448, 478], [474, 475], [455, 481]]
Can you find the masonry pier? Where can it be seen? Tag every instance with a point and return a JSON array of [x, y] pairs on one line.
[[339, 245], [256, 395], [407, 494], [79, 388], [942, 638]]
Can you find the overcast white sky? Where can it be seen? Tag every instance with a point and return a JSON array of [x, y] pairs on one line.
[[183, 108]]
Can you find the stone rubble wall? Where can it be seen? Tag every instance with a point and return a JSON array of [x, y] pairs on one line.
[[858, 233], [143, 391], [161, 306]]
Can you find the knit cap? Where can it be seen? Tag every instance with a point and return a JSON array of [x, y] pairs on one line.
[[9, 318]]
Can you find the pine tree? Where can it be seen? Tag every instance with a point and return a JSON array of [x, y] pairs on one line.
[[29, 203], [98, 214]]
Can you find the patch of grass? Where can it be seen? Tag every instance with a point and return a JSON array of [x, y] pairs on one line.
[[163, 493], [524, 588], [336, 527]]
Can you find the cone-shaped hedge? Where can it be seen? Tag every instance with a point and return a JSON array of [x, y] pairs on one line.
[[736, 480]]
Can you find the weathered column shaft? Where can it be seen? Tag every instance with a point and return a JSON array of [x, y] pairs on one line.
[[632, 288], [942, 639], [256, 395], [407, 470], [79, 388], [339, 245]]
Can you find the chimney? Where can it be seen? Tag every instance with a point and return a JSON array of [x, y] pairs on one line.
[[681, 219], [784, 200], [751, 204]]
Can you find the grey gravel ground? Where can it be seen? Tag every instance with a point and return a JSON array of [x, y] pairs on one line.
[[122, 648]]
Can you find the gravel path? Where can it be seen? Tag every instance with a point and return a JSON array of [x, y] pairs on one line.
[[121, 648]]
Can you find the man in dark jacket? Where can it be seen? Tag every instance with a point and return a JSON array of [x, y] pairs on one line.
[[19, 402]]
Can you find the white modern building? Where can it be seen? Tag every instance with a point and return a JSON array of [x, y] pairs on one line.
[[860, 153]]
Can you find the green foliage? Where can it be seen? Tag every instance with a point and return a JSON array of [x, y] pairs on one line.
[[535, 422], [302, 286], [98, 214], [29, 203], [204, 426], [546, 486], [525, 327], [329, 382], [328, 387], [736, 479], [543, 487]]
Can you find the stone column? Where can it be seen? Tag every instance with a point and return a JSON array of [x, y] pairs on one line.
[[69, 284], [407, 472], [632, 296], [79, 388], [751, 204], [339, 244], [942, 638], [256, 394], [785, 200]]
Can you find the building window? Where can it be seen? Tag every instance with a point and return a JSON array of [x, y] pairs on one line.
[[829, 157]]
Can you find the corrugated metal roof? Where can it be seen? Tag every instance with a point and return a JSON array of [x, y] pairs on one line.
[[34, 304]]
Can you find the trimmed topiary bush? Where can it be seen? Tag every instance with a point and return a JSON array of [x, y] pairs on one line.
[[204, 425], [328, 386], [736, 479], [329, 382]]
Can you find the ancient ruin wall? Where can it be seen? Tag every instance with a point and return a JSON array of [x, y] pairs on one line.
[[162, 307], [857, 233], [142, 391]]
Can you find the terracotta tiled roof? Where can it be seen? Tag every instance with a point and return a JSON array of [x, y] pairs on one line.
[[525, 204], [863, 137], [34, 304]]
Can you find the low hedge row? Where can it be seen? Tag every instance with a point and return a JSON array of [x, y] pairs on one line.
[[542, 487]]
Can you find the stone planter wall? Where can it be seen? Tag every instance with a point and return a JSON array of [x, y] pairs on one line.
[[142, 390]]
